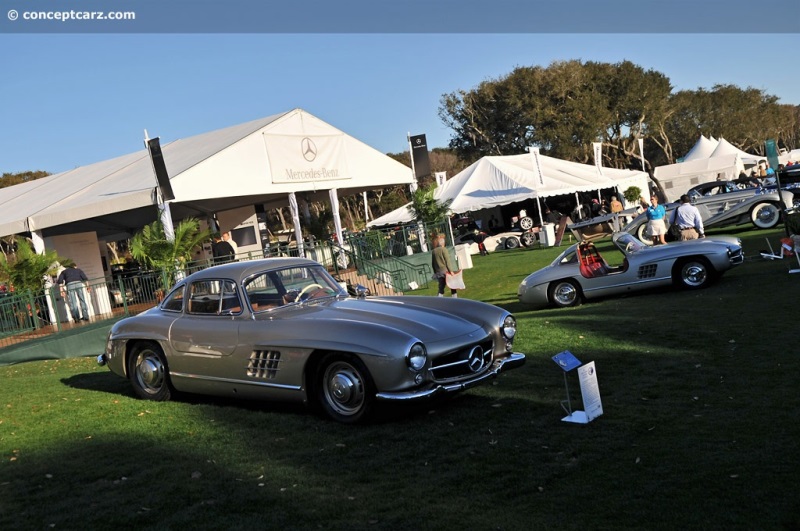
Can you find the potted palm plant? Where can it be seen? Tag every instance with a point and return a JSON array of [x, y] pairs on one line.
[[151, 248]]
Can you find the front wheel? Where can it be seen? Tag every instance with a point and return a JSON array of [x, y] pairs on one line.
[[564, 293], [765, 215], [512, 242], [344, 388], [693, 273], [527, 239], [147, 369]]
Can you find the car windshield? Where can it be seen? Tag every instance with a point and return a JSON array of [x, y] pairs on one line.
[[292, 285], [628, 243]]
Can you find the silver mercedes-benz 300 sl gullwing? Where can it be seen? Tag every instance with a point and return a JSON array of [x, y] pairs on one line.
[[285, 329], [580, 272]]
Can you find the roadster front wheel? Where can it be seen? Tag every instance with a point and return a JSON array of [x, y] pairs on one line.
[[693, 273], [564, 293], [147, 369], [344, 388]]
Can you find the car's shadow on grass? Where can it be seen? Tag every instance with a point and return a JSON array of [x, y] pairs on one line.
[[384, 412]]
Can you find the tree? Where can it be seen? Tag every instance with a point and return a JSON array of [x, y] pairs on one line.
[[10, 179], [562, 109], [26, 270], [427, 209], [151, 247]]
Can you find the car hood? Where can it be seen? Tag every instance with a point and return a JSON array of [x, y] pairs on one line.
[[427, 321]]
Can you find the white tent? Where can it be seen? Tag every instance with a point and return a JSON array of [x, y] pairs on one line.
[[726, 148], [702, 149], [500, 180], [706, 148], [255, 163], [676, 179]]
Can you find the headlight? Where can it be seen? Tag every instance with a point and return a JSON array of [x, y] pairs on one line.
[[417, 356], [509, 327]]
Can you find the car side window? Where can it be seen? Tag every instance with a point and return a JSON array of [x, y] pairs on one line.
[[174, 301], [214, 297], [264, 292]]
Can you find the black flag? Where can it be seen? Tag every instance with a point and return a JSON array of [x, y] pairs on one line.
[[154, 146], [419, 156]]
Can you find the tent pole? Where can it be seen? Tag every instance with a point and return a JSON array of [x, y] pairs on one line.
[[539, 203]]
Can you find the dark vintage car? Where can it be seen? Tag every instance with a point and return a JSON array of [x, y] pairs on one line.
[[581, 272], [284, 329]]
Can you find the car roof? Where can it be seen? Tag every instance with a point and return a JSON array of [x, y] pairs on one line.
[[241, 270]]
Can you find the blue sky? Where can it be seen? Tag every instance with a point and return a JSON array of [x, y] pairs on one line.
[[71, 100]]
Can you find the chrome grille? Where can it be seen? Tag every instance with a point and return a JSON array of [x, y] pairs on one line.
[[467, 361], [264, 364]]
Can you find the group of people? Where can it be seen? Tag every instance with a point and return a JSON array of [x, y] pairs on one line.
[[687, 218]]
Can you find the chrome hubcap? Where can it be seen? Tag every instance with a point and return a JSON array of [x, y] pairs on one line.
[[149, 372], [344, 388], [565, 293], [694, 274]]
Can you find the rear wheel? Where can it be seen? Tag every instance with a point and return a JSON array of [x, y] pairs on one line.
[[344, 388], [643, 234], [564, 293], [147, 369], [765, 215], [693, 273]]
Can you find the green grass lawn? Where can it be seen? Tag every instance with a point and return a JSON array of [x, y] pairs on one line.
[[699, 430]]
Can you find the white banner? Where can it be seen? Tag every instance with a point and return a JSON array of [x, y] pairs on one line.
[[306, 158], [441, 177], [641, 151], [597, 147], [537, 167]]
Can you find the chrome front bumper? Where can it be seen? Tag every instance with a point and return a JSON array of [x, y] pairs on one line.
[[102, 360], [513, 361]]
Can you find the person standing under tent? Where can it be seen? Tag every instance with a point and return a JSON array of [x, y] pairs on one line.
[[74, 281]]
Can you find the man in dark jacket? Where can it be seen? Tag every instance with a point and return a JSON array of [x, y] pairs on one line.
[[73, 281], [222, 251]]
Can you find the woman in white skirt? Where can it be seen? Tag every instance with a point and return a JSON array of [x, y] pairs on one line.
[[656, 227]]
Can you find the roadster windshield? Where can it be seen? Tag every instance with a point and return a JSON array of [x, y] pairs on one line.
[[280, 287]]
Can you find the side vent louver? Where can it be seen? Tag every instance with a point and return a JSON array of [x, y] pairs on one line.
[[264, 364]]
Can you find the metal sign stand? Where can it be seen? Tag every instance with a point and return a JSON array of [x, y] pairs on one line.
[[567, 361]]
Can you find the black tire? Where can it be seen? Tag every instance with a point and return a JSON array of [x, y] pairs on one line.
[[148, 372], [565, 293], [344, 388], [511, 242], [765, 215], [693, 273], [527, 239]]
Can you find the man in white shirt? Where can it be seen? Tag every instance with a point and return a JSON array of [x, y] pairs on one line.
[[226, 236], [689, 220]]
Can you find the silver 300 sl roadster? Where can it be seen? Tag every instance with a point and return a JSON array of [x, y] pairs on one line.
[[580, 272], [284, 329]]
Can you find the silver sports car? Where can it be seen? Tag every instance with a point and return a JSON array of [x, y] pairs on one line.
[[581, 272], [284, 329]]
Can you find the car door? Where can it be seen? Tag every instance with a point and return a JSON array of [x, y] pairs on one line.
[[209, 325]]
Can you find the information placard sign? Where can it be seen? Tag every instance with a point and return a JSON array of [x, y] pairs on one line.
[[590, 390]]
